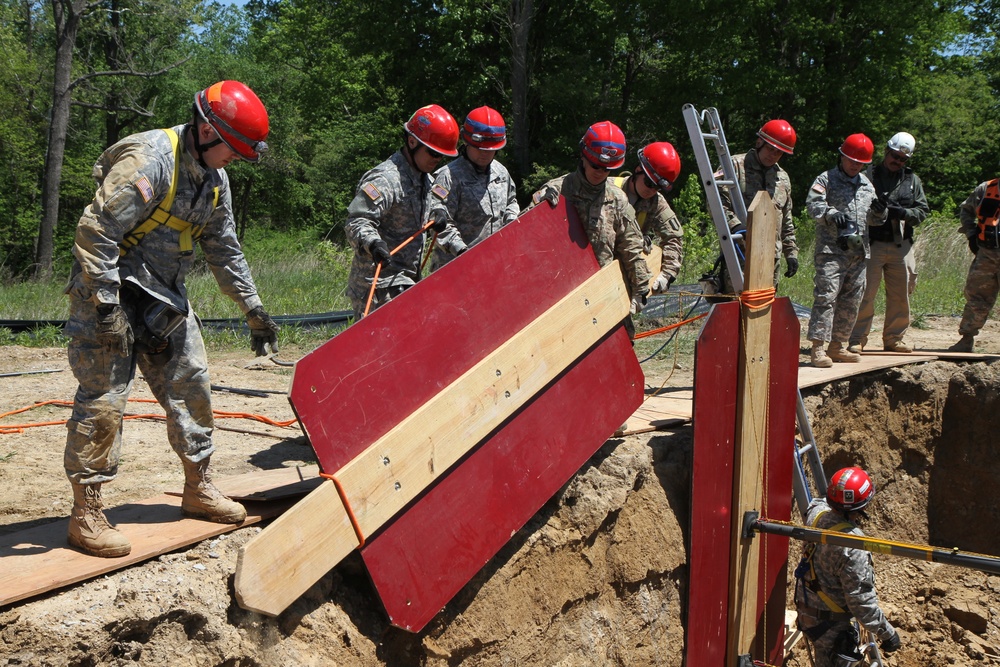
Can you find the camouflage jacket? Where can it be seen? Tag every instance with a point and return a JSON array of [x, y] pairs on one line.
[[834, 191], [754, 177], [133, 177], [609, 221], [968, 212], [477, 203], [844, 574], [391, 204], [658, 221]]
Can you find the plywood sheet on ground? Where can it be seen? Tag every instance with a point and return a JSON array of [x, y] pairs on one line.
[[38, 560]]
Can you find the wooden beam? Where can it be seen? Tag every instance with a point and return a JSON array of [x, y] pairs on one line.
[[282, 562], [752, 416]]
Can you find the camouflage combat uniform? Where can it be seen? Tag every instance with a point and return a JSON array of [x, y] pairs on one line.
[[609, 221], [840, 274], [754, 177], [133, 176], [891, 255], [983, 281], [479, 202], [846, 577], [392, 204], [658, 222]]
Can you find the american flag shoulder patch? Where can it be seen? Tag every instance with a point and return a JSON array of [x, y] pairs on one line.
[[372, 192], [819, 187], [440, 191], [145, 189], [537, 197]]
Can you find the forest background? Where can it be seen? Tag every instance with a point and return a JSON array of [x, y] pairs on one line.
[[339, 79]]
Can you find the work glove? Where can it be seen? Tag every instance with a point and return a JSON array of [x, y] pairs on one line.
[[379, 252], [974, 244], [263, 332], [638, 303], [662, 283], [440, 221], [897, 213], [793, 266], [891, 643], [878, 207], [838, 218], [113, 329], [647, 244]]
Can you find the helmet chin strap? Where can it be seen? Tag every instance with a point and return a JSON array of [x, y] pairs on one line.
[[199, 147]]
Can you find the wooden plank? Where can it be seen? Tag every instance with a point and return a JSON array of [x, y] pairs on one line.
[[274, 570], [268, 484], [654, 262], [810, 376], [751, 428]]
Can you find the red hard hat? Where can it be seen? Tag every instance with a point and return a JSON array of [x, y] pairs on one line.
[[780, 134], [858, 147], [850, 490], [237, 115], [435, 128], [661, 163], [604, 145], [484, 128]]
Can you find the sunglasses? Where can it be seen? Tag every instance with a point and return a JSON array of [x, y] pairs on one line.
[[901, 157], [648, 182], [433, 153], [597, 167]]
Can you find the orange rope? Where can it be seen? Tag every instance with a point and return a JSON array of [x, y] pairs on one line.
[[653, 332], [430, 251], [11, 429], [347, 507], [757, 299], [378, 267]]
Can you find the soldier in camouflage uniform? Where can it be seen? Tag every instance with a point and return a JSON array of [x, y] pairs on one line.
[[480, 196], [603, 209], [901, 202], [840, 202], [758, 170], [392, 205], [658, 169], [836, 585], [158, 193], [979, 215]]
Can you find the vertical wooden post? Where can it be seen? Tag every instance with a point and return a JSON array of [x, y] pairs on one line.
[[752, 416]]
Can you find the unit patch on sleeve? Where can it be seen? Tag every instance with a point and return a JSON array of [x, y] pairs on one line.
[[372, 192], [145, 189], [440, 191]]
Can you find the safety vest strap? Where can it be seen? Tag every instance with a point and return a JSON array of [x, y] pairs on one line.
[[162, 216], [810, 579], [640, 216]]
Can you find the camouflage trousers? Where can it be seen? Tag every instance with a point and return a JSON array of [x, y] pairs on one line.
[[177, 377], [838, 288], [899, 269], [981, 288]]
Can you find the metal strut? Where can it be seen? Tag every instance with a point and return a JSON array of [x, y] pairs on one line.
[[807, 455]]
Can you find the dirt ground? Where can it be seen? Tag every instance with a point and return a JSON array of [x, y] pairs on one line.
[[598, 577]]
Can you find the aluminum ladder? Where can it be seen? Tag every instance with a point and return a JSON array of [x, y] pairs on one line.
[[703, 128]]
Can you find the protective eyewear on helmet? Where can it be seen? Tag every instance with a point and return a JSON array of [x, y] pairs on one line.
[[896, 155]]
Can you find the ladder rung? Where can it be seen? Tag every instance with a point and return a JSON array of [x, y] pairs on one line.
[[805, 448]]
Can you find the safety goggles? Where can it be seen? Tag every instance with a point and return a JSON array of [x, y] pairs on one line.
[[899, 157]]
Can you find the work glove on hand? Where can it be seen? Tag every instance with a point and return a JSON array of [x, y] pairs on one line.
[[838, 218], [638, 303], [379, 252], [440, 221], [891, 643], [878, 208], [647, 244], [897, 213], [263, 332], [662, 283], [793, 266], [974, 244], [113, 330]]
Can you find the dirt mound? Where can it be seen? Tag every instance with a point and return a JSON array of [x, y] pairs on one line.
[[598, 577]]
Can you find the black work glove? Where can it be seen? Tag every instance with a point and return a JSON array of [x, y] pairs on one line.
[[897, 213], [263, 332], [379, 252], [974, 244], [878, 207], [793, 266], [891, 643], [440, 222], [839, 218], [113, 330]]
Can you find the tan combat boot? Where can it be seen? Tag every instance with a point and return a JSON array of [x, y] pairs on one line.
[[202, 500], [818, 355], [964, 345], [89, 531], [856, 348], [837, 352], [897, 346]]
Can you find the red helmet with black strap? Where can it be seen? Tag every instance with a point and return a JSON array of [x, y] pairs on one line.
[[850, 490], [660, 162], [484, 129], [238, 117], [603, 145], [780, 134], [858, 147], [435, 128]]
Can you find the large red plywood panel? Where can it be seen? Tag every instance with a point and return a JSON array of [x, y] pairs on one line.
[[356, 387], [428, 553]]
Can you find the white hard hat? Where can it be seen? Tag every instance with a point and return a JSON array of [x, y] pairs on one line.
[[902, 142]]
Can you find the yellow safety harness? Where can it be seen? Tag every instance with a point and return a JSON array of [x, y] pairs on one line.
[[162, 216], [640, 216], [809, 576]]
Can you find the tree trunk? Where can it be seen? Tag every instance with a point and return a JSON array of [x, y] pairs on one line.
[[520, 15], [67, 14]]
